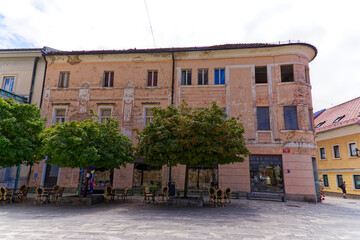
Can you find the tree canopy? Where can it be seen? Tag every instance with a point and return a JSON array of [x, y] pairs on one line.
[[181, 135], [20, 133], [87, 144]]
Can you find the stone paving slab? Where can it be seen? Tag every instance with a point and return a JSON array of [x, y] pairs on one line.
[[335, 218]]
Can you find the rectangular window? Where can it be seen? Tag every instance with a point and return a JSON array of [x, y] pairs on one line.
[[186, 77], [356, 181], [322, 153], [339, 180], [352, 150], [219, 76], [203, 77], [287, 73], [263, 120], [306, 75], [260, 74], [8, 84], [105, 114], [325, 180], [290, 118], [310, 120], [64, 79], [336, 151], [152, 78], [108, 79], [59, 115], [148, 116]]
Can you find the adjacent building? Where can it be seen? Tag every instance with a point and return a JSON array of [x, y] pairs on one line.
[[266, 85], [338, 138], [21, 78]]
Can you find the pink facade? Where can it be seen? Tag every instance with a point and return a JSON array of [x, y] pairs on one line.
[[249, 81]]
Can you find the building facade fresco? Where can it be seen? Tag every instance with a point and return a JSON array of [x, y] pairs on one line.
[[267, 86]]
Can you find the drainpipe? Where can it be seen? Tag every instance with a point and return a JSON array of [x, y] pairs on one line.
[[33, 79], [172, 95], [42, 89]]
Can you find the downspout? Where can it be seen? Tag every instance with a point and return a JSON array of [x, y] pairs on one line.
[[42, 89], [36, 60], [172, 96], [173, 77]]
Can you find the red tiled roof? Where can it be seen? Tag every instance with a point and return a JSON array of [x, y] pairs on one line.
[[350, 109]]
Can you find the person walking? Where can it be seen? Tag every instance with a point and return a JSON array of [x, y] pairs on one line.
[[343, 188]]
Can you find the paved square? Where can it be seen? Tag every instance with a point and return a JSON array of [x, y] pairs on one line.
[[336, 218]]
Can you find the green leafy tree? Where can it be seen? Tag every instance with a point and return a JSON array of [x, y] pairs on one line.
[[87, 144], [20, 133], [180, 135]]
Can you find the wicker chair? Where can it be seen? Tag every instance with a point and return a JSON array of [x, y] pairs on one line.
[[39, 195], [23, 191], [164, 194], [5, 196], [227, 195], [211, 192], [219, 197], [109, 193]]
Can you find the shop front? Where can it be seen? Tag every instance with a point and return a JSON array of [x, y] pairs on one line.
[[266, 174]]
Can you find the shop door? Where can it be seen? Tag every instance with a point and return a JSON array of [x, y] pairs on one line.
[[51, 175], [266, 174]]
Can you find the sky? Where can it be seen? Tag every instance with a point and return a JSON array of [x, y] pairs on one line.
[[333, 27]]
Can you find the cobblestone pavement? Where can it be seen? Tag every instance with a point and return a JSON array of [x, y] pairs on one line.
[[335, 218]]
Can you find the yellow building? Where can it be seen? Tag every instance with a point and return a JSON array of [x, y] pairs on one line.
[[338, 139]]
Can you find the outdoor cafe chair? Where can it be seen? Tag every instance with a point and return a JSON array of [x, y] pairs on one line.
[[39, 195], [56, 192], [219, 197], [5, 196], [124, 194], [108, 193], [164, 193], [147, 194], [23, 191], [227, 195], [211, 192]]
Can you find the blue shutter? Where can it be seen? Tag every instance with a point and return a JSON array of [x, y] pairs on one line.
[[216, 76], [222, 74]]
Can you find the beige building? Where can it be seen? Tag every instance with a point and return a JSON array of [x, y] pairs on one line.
[[266, 85], [21, 78]]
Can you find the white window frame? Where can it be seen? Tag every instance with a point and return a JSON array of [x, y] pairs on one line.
[[144, 113], [100, 109], [109, 78], [186, 80], [152, 79], [202, 70], [4, 80], [353, 180], [349, 150], [333, 152], [54, 113], [320, 153], [62, 81]]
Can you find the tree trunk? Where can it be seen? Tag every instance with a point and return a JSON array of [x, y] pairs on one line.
[[28, 176], [186, 181], [87, 181]]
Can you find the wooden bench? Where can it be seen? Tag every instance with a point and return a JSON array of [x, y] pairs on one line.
[[266, 195]]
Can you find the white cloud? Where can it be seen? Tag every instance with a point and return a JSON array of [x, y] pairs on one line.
[[330, 26]]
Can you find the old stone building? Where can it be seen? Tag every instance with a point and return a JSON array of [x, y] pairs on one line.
[[266, 85]]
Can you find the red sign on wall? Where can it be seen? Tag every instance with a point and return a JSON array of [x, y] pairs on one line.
[[286, 150]]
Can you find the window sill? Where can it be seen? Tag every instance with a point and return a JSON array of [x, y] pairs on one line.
[[261, 84], [303, 131], [323, 159], [264, 131], [218, 85], [337, 158], [294, 82]]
